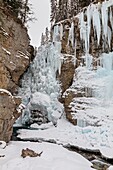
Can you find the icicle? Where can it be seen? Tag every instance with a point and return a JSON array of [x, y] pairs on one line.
[[89, 60], [71, 34], [96, 23], [58, 46], [75, 59], [83, 31], [56, 33], [111, 18], [81, 20], [109, 36], [104, 11], [61, 31], [89, 13]]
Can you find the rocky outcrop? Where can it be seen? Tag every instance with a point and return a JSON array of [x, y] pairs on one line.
[[15, 56], [67, 72], [28, 152], [14, 43], [10, 110]]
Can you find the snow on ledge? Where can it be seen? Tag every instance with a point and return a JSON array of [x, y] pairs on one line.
[[5, 91]]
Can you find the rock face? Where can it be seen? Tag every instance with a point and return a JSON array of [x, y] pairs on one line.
[[67, 72], [15, 56], [9, 112], [14, 43]]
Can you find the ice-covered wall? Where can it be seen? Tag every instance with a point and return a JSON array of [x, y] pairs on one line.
[[40, 88], [88, 32], [88, 36]]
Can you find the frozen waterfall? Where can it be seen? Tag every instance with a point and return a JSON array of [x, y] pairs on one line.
[[40, 88]]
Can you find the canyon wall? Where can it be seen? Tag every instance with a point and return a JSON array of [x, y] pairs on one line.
[[14, 60], [86, 38]]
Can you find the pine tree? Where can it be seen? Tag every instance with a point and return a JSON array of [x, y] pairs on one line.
[[21, 9], [42, 39], [65, 10], [53, 10], [74, 7], [69, 9], [61, 10], [47, 34], [26, 10]]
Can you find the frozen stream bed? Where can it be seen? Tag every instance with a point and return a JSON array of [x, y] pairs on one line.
[[88, 138]]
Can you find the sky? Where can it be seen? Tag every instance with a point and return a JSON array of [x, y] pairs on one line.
[[41, 9]]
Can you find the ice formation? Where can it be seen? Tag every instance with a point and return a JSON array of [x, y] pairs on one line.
[[40, 88], [95, 14], [61, 31]]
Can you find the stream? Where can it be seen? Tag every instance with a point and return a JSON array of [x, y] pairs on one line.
[[99, 163]]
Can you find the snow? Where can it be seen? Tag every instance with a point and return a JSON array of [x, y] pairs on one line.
[[53, 157], [42, 126], [21, 54], [2, 144], [88, 138], [5, 91], [93, 111], [6, 51]]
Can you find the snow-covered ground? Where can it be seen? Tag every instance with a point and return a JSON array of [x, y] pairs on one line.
[[89, 138], [54, 157], [94, 130]]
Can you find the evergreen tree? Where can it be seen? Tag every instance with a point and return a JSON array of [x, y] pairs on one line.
[[69, 9], [60, 12], [64, 9], [53, 10], [16, 5], [20, 9], [42, 39], [46, 35]]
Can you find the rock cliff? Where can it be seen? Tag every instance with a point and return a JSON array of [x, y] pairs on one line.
[[14, 60]]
